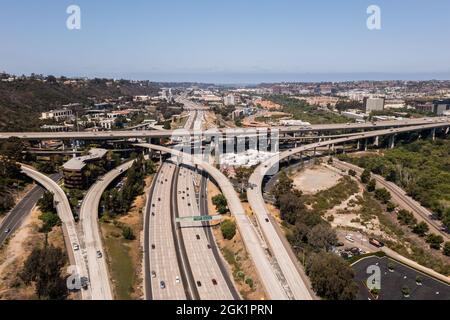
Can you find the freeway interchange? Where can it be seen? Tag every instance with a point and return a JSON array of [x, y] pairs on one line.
[[180, 258]]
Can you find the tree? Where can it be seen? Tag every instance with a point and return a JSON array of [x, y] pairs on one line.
[[228, 228], [290, 207], [352, 173], [221, 203], [383, 195], [390, 206], [366, 176], [447, 249], [46, 203], [435, 241], [322, 237], [406, 218], [372, 185], [421, 229], [331, 277], [167, 125], [283, 186], [43, 268], [127, 233]]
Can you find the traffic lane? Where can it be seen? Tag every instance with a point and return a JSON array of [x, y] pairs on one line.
[[163, 258], [14, 219], [205, 268]]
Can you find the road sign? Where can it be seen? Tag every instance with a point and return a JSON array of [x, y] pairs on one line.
[[199, 218]]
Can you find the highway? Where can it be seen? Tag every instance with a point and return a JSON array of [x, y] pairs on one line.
[[111, 135], [97, 266], [23, 208], [208, 276], [163, 259], [253, 243], [401, 198], [256, 200], [65, 214]]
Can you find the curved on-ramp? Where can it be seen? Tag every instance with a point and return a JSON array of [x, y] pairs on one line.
[[98, 269], [65, 214]]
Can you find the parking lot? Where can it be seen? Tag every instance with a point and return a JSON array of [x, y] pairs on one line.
[[394, 280]]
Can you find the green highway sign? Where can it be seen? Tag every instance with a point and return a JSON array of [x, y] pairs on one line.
[[199, 218]]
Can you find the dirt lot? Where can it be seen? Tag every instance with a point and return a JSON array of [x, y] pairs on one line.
[[313, 180], [14, 253], [235, 254]]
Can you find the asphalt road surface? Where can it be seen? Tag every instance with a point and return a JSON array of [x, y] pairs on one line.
[[163, 260], [210, 281], [15, 217]]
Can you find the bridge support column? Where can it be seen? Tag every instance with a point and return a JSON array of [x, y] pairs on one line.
[[377, 141], [433, 134], [358, 145], [366, 145], [391, 142]]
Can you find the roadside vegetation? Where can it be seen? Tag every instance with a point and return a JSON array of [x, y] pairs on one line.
[[375, 203], [11, 179], [301, 110], [122, 222], [312, 238], [49, 216], [421, 168], [43, 269], [118, 201]]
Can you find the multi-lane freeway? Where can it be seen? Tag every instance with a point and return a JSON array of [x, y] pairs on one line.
[[208, 277], [163, 261]]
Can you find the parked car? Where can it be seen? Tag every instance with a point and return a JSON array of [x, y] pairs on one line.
[[76, 247], [99, 254], [162, 285]]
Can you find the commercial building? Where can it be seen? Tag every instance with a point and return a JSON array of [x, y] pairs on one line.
[[57, 114], [74, 169], [229, 100], [373, 104], [294, 123], [441, 106], [355, 115]]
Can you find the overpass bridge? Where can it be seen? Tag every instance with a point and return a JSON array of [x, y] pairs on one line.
[[293, 132]]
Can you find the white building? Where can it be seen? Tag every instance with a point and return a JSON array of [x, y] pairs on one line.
[[107, 124], [57, 114], [229, 100], [374, 104], [294, 123]]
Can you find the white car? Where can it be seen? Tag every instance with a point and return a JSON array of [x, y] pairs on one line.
[[349, 239], [177, 279], [76, 247]]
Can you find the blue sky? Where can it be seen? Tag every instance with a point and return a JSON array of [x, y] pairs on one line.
[[190, 39]]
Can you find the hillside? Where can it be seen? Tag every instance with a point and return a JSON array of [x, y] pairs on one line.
[[23, 100]]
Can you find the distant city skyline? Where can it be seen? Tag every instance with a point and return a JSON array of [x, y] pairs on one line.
[[229, 41]]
